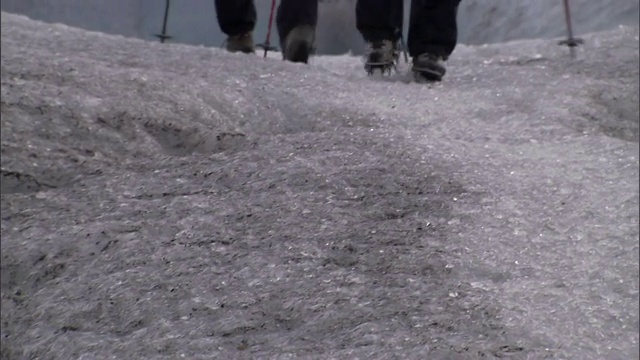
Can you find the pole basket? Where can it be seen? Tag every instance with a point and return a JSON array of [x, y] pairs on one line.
[[571, 42], [163, 37], [267, 47]]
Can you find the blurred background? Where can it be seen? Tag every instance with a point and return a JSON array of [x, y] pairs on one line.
[[194, 21]]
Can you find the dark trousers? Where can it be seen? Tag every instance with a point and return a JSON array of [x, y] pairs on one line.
[[239, 16], [432, 23]]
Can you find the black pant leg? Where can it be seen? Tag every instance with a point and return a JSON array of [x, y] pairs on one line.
[[294, 13], [236, 16], [433, 27], [379, 19]]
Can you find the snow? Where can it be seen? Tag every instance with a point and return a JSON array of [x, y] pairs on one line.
[[163, 201]]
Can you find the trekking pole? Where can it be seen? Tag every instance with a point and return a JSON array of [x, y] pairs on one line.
[[571, 41], [404, 47], [164, 35], [266, 45]]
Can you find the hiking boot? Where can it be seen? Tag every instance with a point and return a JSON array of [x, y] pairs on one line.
[[299, 44], [382, 56], [241, 43], [430, 67]]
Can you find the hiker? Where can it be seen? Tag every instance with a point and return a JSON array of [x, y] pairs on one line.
[[432, 30], [433, 33], [295, 20]]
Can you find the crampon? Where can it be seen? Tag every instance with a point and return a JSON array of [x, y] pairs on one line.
[[382, 67], [383, 57]]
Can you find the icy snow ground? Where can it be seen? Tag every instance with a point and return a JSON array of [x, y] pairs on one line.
[[167, 201]]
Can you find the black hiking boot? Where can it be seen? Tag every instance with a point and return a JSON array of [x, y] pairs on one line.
[[299, 44], [241, 43], [382, 56], [429, 67]]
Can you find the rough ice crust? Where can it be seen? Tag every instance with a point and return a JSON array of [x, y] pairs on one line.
[[162, 201]]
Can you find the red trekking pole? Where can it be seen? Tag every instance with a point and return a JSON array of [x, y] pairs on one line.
[[267, 45]]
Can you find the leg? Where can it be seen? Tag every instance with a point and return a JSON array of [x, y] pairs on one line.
[[380, 24], [433, 34], [294, 13], [236, 16], [433, 27], [379, 20], [296, 21]]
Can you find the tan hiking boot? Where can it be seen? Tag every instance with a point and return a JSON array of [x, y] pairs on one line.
[[241, 43], [382, 55], [430, 67]]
